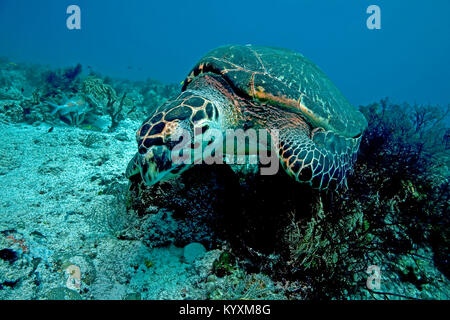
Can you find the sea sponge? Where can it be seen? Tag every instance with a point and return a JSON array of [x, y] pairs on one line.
[[97, 89]]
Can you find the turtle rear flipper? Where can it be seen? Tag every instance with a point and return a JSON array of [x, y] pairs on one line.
[[320, 158]]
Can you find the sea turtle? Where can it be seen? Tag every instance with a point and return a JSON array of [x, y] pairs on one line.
[[256, 87]]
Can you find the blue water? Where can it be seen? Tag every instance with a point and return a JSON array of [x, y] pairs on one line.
[[407, 60]]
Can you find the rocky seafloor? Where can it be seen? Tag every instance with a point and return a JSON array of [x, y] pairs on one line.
[[68, 212]]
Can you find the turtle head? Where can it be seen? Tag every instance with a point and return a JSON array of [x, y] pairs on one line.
[[166, 141], [156, 140]]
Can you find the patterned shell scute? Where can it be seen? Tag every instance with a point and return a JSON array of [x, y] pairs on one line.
[[288, 80]]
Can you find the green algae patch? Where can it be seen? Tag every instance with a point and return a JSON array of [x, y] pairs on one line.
[[224, 265]]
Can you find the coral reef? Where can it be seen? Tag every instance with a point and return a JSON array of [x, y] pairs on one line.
[[218, 232], [28, 93]]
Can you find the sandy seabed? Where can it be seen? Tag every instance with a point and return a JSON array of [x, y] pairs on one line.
[[57, 209]]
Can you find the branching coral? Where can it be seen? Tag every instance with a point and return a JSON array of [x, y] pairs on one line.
[[114, 107], [106, 100]]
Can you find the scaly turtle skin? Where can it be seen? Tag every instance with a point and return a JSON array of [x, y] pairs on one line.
[[243, 87]]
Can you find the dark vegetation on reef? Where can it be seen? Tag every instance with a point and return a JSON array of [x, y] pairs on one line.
[[62, 80], [401, 183], [404, 158]]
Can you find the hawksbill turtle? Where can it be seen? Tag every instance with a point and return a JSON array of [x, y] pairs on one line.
[[242, 87]]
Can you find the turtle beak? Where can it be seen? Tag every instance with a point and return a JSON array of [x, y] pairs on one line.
[[155, 164]]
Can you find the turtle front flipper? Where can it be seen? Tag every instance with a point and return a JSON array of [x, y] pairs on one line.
[[320, 158]]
